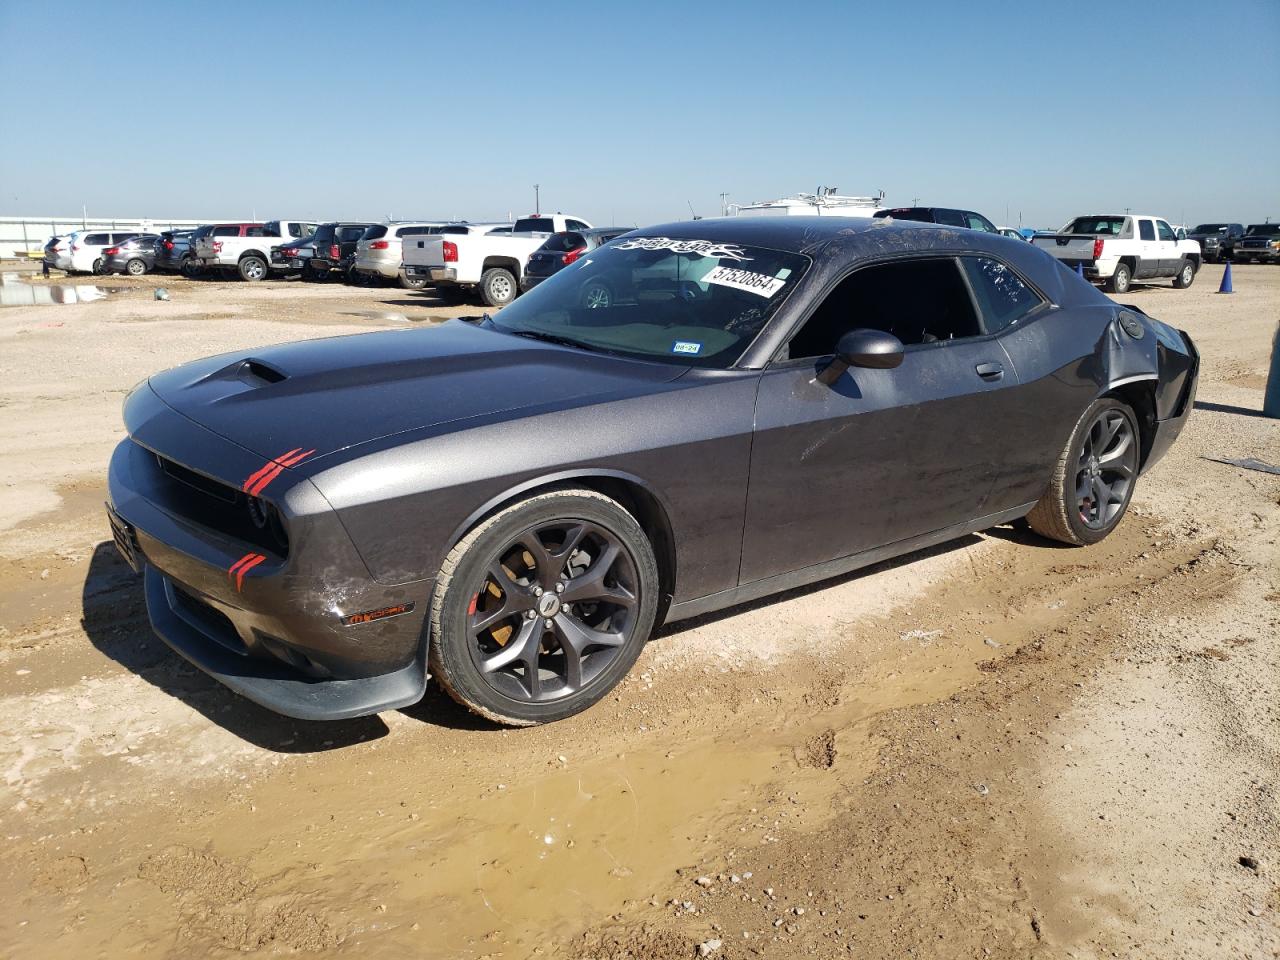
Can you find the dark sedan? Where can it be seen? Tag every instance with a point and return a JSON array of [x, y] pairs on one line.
[[948, 216], [329, 252], [134, 257], [511, 504], [562, 249]]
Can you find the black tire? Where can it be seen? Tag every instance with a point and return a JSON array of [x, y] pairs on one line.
[[253, 268], [311, 275], [135, 267], [411, 283], [1186, 275], [616, 558], [190, 268], [1119, 281], [498, 287], [97, 266], [1069, 511]]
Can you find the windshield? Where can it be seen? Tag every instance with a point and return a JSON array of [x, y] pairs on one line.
[[1210, 228], [1263, 229], [659, 298], [1102, 225]]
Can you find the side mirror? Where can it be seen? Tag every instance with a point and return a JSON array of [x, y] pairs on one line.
[[874, 349]]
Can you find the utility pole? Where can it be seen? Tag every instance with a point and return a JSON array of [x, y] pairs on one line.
[[915, 201], [537, 198]]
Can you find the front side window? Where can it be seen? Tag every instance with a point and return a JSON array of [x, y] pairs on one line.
[[98, 239], [1002, 296], [696, 302], [1166, 231], [918, 301], [975, 221]]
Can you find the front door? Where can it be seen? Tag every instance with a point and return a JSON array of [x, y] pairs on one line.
[[1170, 257], [880, 455]]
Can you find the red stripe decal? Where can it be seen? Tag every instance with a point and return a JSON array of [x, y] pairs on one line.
[[257, 481], [257, 559], [235, 566], [267, 466]]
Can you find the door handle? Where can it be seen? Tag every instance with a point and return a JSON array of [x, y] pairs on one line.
[[989, 371]]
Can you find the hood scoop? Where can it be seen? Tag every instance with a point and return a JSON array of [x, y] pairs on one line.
[[257, 372]]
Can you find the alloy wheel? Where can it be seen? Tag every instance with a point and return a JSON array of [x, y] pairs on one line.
[[554, 608], [1106, 469]]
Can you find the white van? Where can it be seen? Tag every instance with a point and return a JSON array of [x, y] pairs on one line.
[[83, 252]]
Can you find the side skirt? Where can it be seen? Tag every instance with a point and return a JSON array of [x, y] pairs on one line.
[[747, 592]]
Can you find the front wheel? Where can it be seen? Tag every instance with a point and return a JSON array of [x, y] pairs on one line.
[[542, 609], [1093, 480], [1186, 275], [497, 287], [135, 267], [1120, 280]]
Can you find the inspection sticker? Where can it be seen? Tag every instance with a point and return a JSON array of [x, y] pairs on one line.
[[686, 346], [760, 284]]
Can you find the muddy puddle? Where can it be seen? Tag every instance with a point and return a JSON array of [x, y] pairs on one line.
[[15, 293]]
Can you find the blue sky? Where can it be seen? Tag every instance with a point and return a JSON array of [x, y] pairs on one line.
[[628, 113]]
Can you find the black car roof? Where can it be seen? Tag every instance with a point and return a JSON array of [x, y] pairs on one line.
[[807, 234]]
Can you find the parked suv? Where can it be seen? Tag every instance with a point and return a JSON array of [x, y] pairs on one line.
[[84, 252], [562, 249], [1216, 240], [945, 215], [1260, 242], [134, 257], [330, 250], [378, 250], [173, 250]]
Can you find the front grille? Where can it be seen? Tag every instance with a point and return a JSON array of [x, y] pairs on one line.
[[219, 506]]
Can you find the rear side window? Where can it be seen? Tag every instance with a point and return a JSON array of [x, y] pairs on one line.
[[350, 234], [230, 230], [259, 232], [532, 225], [918, 301], [576, 225], [952, 218], [1146, 230], [417, 231], [1002, 296], [376, 232], [563, 242], [96, 239]]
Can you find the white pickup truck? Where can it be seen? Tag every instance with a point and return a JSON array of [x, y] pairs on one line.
[[246, 247], [1118, 248], [491, 262]]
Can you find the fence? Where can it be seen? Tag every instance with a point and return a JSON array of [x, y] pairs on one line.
[[26, 236]]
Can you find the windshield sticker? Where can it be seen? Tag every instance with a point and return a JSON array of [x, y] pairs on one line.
[[760, 284], [686, 346], [704, 248]]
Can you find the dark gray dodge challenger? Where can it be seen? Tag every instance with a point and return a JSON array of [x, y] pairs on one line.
[[695, 415]]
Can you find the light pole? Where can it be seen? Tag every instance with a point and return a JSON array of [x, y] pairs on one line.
[[537, 199], [724, 206]]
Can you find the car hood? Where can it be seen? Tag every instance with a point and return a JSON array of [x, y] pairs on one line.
[[325, 396]]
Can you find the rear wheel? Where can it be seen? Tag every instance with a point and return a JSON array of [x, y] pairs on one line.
[[1120, 280], [497, 287], [544, 607], [190, 268], [412, 283], [1093, 480], [1186, 275], [313, 275], [135, 267], [253, 268], [98, 265]]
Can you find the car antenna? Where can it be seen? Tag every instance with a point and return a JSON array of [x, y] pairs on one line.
[[691, 213]]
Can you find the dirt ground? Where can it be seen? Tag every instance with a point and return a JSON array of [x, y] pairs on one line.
[[998, 748]]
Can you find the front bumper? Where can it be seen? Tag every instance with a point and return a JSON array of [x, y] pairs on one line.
[[275, 634], [1256, 253], [431, 274]]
